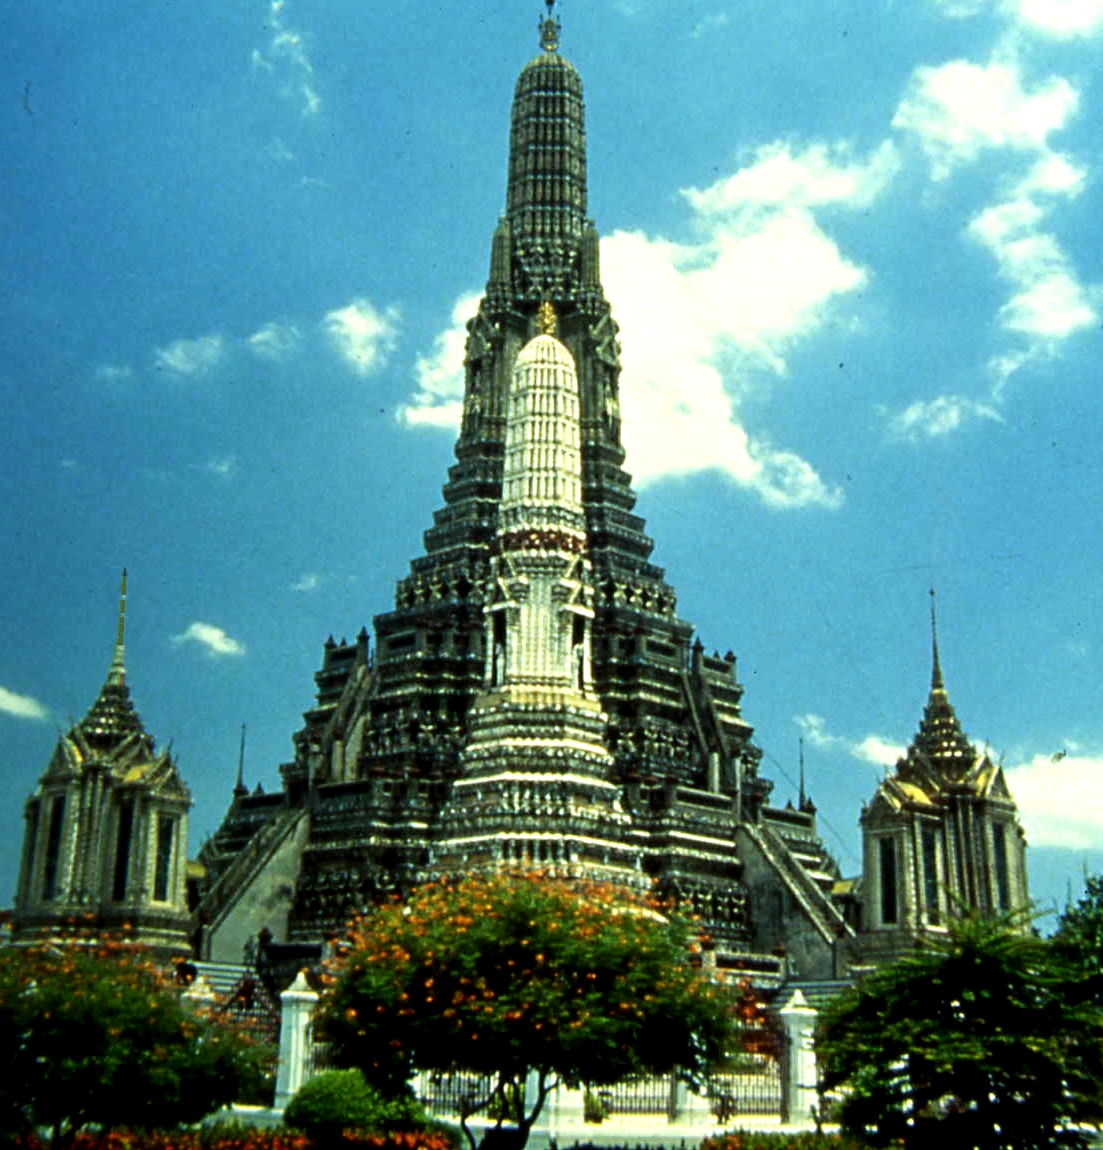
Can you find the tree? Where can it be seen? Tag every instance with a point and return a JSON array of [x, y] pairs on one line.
[[985, 1038], [95, 1033], [1079, 934], [523, 978]]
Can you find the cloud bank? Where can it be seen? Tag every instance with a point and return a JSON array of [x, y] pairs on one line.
[[700, 319]]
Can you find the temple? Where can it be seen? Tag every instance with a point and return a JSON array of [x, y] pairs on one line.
[[105, 847], [532, 699], [941, 836]]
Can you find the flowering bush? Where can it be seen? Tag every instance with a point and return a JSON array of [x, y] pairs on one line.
[[503, 975], [93, 1032], [239, 1138]]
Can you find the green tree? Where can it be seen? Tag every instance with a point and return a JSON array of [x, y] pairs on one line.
[[523, 978], [96, 1034], [986, 1038], [1079, 934]]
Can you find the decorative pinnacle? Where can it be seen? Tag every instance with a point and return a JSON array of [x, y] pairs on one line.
[[240, 787], [118, 663], [549, 29], [937, 683], [546, 320]]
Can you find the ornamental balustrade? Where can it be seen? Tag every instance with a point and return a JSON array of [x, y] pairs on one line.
[[778, 1083]]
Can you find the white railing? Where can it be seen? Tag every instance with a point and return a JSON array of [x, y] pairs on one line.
[[300, 1058]]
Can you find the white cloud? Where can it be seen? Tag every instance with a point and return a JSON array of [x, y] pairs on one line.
[[821, 174], [115, 375], [960, 109], [362, 334], [275, 342], [438, 401], [1060, 797], [1062, 19], [286, 59], [695, 321], [962, 9], [710, 24], [223, 467], [931, 418], [21, 706], [1049, 302], [879, 751], [871, 749], [213, 639], [699, 319], [190, 357], [308, 581]]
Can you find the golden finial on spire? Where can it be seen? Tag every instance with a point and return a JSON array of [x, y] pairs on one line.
[[546, 319], [549, 29]]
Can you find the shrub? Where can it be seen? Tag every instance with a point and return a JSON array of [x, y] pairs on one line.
[[764, 1140], [342, 1100]]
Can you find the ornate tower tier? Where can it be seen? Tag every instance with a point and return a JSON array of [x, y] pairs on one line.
[[941, 836], [105, 848], [533, 696]]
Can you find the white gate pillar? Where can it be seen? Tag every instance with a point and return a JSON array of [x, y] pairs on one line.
[[297, 1004], [802, 1078]]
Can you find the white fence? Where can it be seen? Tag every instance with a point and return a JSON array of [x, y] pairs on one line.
[[783, 1088]]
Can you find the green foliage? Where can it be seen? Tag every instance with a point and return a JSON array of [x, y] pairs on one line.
[[764, 1140], [342, 1100], [986, 1038], [503, 975], [232, 1137], [94, 1033], [1079, 934]]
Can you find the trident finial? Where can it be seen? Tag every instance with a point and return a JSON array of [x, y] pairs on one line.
[[546, 319], [549, 29]]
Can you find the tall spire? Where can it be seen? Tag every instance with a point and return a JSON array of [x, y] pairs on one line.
[[940, 743], [937, 683], [117, 674], [112, 716], [240, 788]]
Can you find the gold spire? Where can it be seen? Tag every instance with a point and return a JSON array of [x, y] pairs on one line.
[[546, 319], [112, 717], [549, 29], [937, 683], [117, 673], [940, 743]]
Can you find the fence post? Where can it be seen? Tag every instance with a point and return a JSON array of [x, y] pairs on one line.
[[297, 1004], [801, 1077]]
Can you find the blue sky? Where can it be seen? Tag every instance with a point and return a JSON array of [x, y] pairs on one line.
[[854, 252]]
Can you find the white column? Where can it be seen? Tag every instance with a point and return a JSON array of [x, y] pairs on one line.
[[799, 1020], [297, 1004]]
